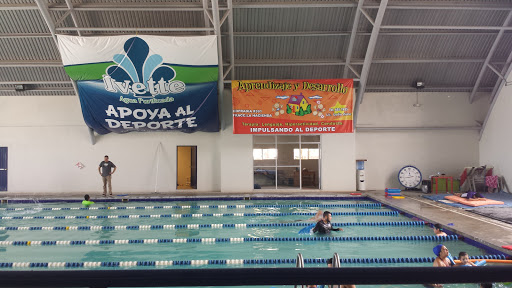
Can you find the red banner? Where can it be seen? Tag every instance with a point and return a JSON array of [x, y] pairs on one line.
[[292, 106]]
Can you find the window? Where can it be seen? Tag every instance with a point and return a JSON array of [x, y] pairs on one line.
[[306, 153], [264, 154], [286, 162]]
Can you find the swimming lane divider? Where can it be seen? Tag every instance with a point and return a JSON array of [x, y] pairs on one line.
[[379, 213], [204, 226], [356, 205], [238, 262], [227, 240]]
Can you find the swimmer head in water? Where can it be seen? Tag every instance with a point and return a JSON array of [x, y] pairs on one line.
[[441, 251]]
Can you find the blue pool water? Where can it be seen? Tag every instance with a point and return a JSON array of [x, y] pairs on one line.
[[123, 233]]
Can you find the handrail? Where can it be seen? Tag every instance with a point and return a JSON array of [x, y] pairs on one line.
[[252, 276], [336, 261], [299, 264]]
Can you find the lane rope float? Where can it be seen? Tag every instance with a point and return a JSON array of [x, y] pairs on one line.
[[224, 262], [202, 226], [356, 205], [136, 216]]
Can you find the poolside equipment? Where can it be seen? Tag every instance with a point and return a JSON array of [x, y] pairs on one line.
[[360, 176], [390, 192], [451, 258], [508, 247], [480, 202]]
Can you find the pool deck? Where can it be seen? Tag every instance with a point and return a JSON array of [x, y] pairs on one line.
[[490, 232]]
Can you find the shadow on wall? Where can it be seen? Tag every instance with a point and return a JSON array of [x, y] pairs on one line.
[[392, 181]]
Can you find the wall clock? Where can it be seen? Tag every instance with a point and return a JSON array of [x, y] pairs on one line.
[[409, 176]]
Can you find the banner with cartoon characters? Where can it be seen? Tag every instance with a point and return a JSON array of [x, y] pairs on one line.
[[144, 83], [292, 106]]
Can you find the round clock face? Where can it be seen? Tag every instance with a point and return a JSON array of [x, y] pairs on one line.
[[409, 176]]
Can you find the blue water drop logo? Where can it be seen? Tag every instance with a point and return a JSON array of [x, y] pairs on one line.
[[139, 73]]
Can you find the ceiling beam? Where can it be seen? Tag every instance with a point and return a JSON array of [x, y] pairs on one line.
[[506, 71], [355, 25], [208, 21], [426, 89], [43, 9], [220, 82], [36, 82], [293, 34], [73, 16], [290, 62], [417, 5], [68, 86], [489, 57], [147, 7], [231, 39], [368, 17], [368, 59], [370, 129], [422, 27], [135, 29], [498, 73], [453, 5]]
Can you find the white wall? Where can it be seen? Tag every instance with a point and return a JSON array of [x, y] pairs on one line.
[[432, 151], [338, 162], [236, 154], [497, 136], [46, 137]]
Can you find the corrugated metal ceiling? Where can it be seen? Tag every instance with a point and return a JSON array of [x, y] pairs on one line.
[[259, 26]]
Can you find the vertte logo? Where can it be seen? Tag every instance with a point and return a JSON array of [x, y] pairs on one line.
[[141, 74]]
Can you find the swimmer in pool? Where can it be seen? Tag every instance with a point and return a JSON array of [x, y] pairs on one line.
[[318, 216], [442, 259], [438, 230], [464, 260], [87, 201], [324, 226]]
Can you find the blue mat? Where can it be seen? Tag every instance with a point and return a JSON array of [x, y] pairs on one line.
[[500, 196]]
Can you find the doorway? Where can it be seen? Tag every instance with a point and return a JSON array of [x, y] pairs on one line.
[[3, 168], [186, 177]]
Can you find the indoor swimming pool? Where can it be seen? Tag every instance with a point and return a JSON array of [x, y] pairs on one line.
[[205, 233]]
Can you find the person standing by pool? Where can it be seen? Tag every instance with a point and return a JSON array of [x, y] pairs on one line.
[[105, 170], [324, 226], [438, 230]]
